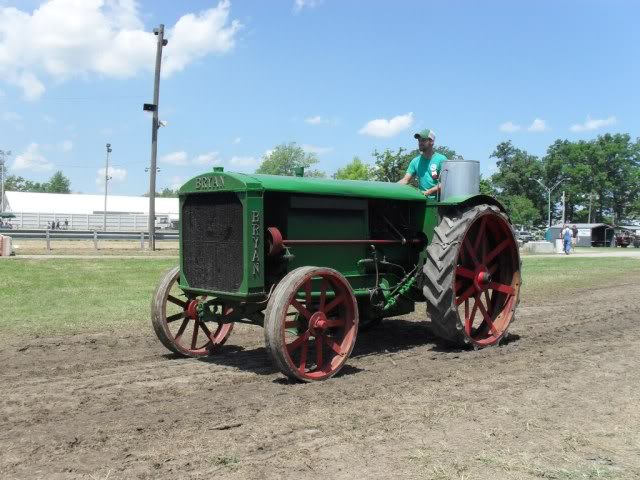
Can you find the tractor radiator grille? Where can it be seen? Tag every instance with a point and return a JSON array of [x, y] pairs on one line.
[[212, 241]]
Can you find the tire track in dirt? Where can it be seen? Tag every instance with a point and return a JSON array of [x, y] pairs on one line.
[[405, 406]]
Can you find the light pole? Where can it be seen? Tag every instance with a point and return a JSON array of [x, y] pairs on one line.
[[3, 156], [155, 125], [106, 182], [549, 190]]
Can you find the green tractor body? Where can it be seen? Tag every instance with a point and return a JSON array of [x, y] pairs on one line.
[[311, 260]]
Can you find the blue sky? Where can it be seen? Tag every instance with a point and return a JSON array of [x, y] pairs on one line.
[[339, 77]]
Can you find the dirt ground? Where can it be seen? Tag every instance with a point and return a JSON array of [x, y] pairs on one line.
[[559, 400]]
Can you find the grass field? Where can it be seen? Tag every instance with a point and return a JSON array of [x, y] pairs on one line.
[[49, 296]]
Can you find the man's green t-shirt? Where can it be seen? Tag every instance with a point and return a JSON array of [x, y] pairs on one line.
[[427, 171]]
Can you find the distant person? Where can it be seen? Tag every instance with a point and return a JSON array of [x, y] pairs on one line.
[[48, 225], [566, 236], [66, 224], [426, 166], [574, 237]]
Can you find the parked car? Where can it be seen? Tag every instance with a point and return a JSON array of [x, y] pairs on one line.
[[524, 236]]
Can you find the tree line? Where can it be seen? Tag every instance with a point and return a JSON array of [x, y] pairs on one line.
[[600, 177]]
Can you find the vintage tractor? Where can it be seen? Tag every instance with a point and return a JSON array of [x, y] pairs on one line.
[[315, 260]]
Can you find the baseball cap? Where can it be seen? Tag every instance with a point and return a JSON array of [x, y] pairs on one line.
[[426, 133]]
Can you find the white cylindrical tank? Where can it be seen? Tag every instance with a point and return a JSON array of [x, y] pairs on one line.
[[459, 177]]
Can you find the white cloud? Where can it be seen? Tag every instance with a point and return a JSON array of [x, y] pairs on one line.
[[116, 174], [237, 140], [66, 145], [538, 125], [11, 117], [316, 150], [382, 127], [65, 38], [593, 124], [176, 182], [48, 119], [244, 164], [210, 158], [509, 127], [298, 5], [316, 120], [32, 159], [175, 158]]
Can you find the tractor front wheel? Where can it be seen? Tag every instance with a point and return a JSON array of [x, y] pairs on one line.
[[311, 323], [178, 324], [472, 277]]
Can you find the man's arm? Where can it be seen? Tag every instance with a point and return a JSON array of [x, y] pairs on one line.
[[406, 179], [432, 190]]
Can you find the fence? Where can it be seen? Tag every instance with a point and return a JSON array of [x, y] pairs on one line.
[[76, 221]]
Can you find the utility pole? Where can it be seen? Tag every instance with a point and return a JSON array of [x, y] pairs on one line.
[[563, 207], [154, 136], [590, 198], [549, 190], [106, 183], [3, 157]]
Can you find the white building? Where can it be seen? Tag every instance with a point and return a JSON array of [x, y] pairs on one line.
[[85, 212]]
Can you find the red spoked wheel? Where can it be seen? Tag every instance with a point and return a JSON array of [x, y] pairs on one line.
[[178, 325], [473, 277], [311, 323]]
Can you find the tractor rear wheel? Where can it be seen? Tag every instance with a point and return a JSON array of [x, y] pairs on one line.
[[309, 338], [177, 323], [473, 278]]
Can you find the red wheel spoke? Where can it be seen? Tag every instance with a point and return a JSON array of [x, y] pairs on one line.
[[468, 322], [292, 324], [207, 332], [487, 318], [303, 357], [335, 302], [319, 358], [182, 329], [464, 272], [466, 294], [334, 323], [177, 301], [307, 292], [470, 250], [480, 234], [194, 338], [333, 345], [323, 293], [494, 253], [500, 287], [293, 346], [301, 308], [487, 299], [175, 317]]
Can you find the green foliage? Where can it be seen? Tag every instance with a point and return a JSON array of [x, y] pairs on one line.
[[517, 174], [521, 210], [285, 158], [58, 183], [356, 170], [487, 188]]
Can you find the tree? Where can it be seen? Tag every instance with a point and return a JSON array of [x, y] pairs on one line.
[[486, 187], [391, 166], [517, 175], [356, 170], [521, 210], [165, 193], [285, 158], [58, 183]]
